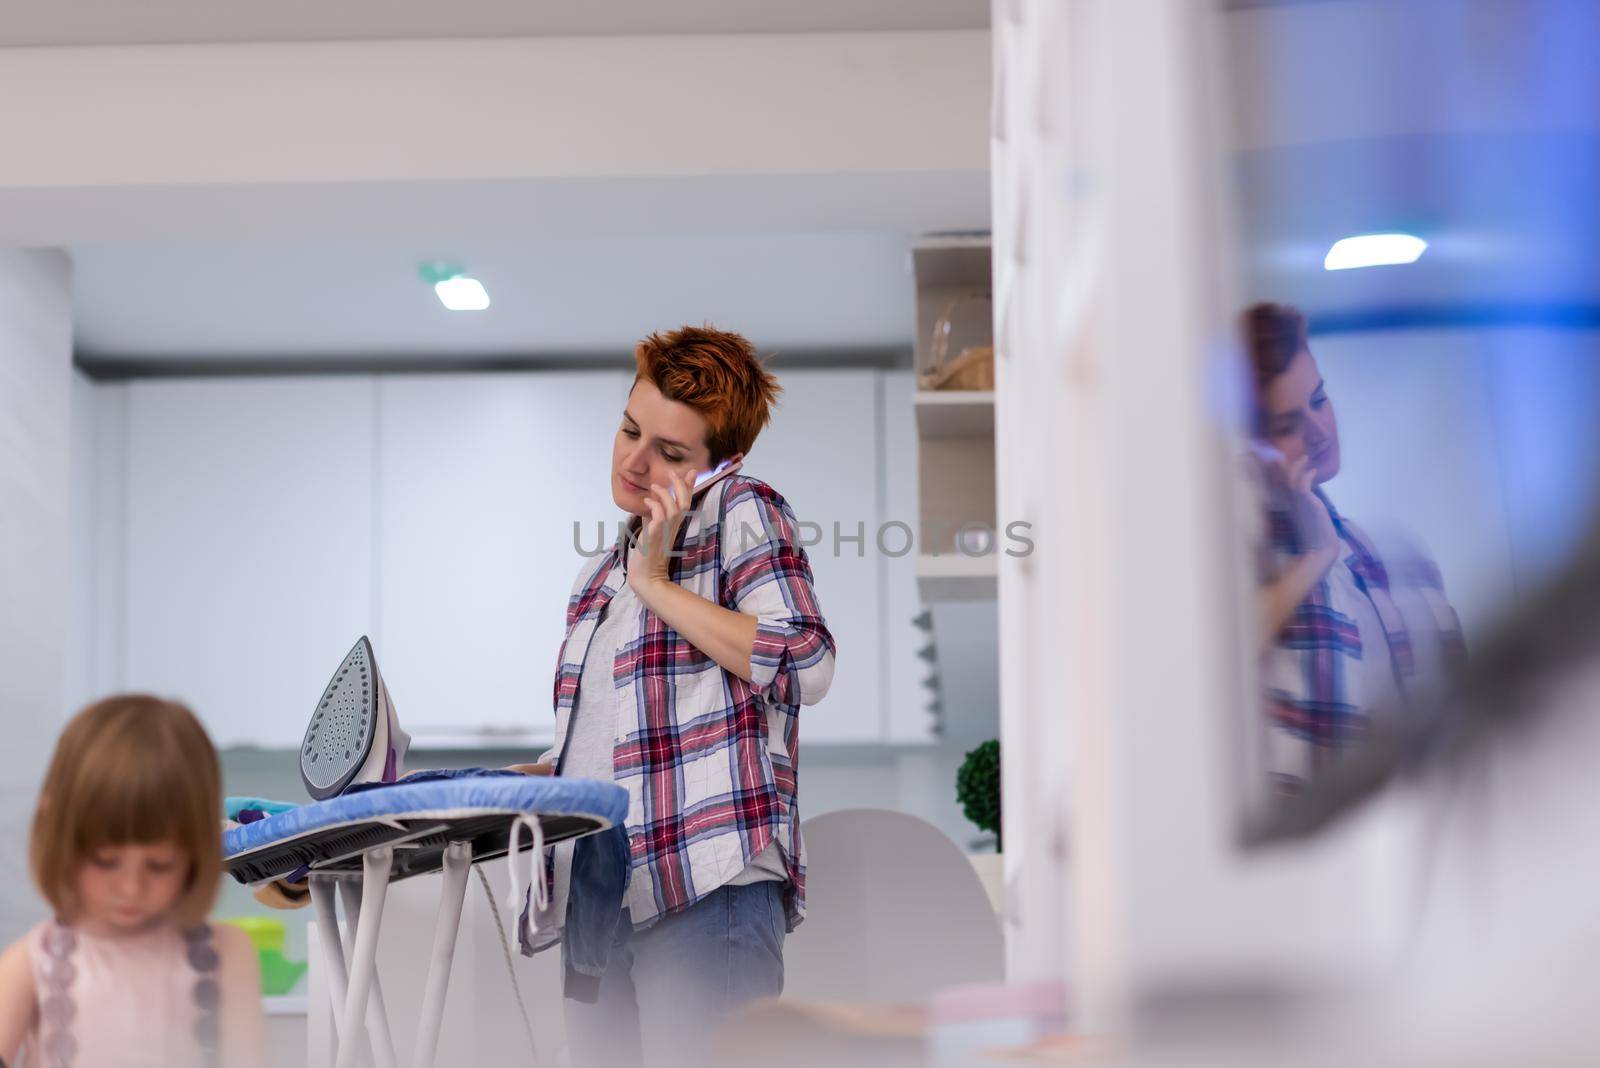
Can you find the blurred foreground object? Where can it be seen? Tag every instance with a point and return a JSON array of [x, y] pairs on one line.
[[802, 1034], [967, 1021]]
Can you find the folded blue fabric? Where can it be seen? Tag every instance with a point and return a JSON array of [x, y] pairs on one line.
[[232, 806]]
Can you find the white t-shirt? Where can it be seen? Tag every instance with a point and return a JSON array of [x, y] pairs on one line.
[[592, 736]]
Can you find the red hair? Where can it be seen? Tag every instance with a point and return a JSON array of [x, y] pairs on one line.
[[717, 373], [1274, 334]]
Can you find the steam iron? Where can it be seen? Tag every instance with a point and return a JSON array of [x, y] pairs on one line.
[[354, 735]]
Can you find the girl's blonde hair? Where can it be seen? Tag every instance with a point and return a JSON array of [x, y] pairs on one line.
[[129, 769]]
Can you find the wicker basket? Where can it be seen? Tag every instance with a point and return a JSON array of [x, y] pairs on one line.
[[973, 369], [967, 321]]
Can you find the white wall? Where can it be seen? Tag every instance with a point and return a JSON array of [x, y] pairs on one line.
[[35, 458], [81, 493]]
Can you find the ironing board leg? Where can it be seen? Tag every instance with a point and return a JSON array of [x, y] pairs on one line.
[[452, 891], [364, 965], [378, 1031], [322, 900]]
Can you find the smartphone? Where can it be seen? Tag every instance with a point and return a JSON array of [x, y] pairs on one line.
[[1265, 453], [726, 467]]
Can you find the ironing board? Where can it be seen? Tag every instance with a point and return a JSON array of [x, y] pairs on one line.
[[360, 842]]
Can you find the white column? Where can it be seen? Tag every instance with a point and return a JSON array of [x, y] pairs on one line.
[[1127, 684], [35, 388], [1116, 669]]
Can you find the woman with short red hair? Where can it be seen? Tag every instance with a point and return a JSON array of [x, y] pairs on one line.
[[1351, 629], [690, 647]]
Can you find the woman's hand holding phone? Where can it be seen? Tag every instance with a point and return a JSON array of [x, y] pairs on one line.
[[649, 559], [1294, 482], [1311, 517]]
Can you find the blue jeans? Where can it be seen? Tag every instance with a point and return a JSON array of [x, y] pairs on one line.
[[666, 988]]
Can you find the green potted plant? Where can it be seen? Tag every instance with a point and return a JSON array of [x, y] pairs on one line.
[[978, 791]]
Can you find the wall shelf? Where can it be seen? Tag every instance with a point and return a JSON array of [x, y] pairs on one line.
[[956, 413], [957, 577]]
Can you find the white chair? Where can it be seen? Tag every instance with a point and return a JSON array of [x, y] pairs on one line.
[[894, 912]]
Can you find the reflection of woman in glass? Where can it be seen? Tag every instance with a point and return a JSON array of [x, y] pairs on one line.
[[1347, 632]]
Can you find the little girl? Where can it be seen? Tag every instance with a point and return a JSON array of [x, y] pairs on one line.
[[126, 849]]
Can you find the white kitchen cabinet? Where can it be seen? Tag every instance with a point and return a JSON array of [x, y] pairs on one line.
[[269, 522], [480, 479], [910, 719], [247, 567], [822, 453]]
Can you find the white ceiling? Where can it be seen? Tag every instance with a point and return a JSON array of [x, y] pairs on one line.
[[118, 22], [208, 270], [840, 292], [828, 280], [804, 262], [1502, 213]]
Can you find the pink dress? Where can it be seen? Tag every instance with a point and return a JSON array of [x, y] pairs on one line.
[[143, 999]]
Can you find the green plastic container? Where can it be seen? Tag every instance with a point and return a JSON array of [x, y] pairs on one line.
[[279, 974]]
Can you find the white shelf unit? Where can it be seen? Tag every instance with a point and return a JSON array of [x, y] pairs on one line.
[[955, 432]]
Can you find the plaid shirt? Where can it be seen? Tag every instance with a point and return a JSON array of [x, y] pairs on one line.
[[706, 790], [1370, 631]]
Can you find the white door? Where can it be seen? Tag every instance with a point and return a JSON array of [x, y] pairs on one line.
[[480, 480], [248, 566], [821, 453]]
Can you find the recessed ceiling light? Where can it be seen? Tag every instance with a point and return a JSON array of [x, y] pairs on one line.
[[462, 294], [455, 289], [1373, 250]]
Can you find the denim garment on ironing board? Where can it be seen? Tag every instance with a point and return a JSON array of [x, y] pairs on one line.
[[600, 866]]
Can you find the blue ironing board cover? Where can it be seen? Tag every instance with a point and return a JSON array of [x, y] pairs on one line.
[[419, 819]]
